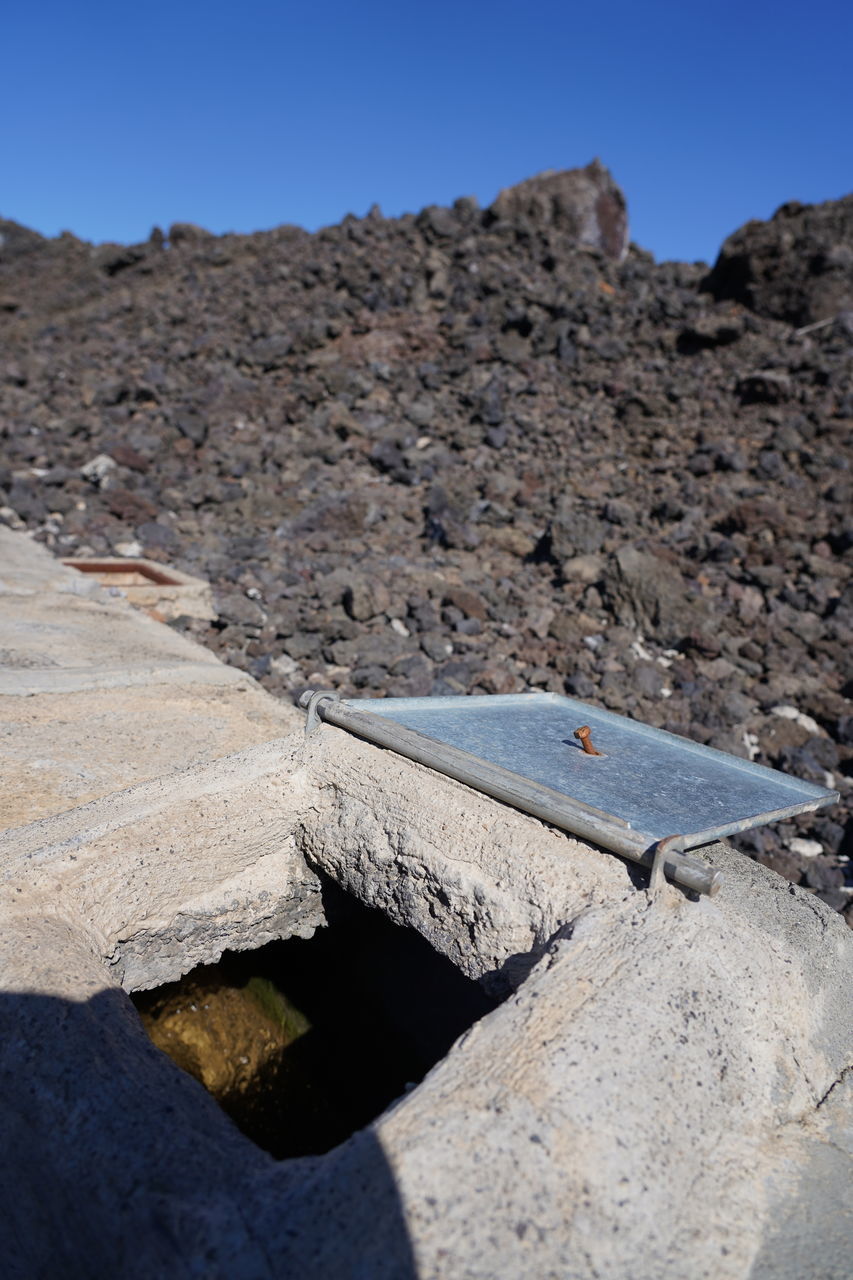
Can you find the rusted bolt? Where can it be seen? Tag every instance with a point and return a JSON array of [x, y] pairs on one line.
[[582, 735]]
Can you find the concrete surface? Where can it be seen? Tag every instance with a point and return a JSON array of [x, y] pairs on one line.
[[96, 696], [164, 593], [664, 1093]]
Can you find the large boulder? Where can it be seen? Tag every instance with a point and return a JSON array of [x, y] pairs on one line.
[[797, 267], [648, 593], [584, 203]]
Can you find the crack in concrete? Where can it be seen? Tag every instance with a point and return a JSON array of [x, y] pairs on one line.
[[848, 1071]]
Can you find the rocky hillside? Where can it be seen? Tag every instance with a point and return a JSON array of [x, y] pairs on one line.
[[474, 451]]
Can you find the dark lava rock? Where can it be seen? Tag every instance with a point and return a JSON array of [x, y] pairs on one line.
[[471, 451], [797, 267], [764, 387], [584, 203], [365, 598], [16, 240], [648, 592]]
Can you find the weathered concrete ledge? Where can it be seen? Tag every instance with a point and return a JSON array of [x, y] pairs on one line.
[[96, 696], [665, 1092]]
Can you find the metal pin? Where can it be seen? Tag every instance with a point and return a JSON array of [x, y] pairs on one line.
[[583, 736]]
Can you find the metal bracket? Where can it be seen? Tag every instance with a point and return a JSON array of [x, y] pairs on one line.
[[309, 701], [663, 850]]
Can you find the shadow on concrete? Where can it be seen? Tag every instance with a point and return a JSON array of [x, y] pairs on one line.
[[115, 1163], [504, 981]]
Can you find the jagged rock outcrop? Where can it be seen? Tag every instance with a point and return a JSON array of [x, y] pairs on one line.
[[585, 204], [797, 267]]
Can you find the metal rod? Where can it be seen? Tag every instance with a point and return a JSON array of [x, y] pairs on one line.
[[531, 797]]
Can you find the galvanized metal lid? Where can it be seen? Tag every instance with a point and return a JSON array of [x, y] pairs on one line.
[[636, 788]]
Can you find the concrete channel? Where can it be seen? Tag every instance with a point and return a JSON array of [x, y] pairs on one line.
[[663, 1090]]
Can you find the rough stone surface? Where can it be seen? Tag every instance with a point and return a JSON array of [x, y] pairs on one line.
[[169, 873], [796, 267], [663, 1093], [58, 750], [95, 696], [585, 203], [648, 594]]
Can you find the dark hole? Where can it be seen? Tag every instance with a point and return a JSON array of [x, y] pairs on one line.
[[304, 1041]]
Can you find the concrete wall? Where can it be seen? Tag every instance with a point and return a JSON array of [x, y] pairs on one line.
[[665, 1091]]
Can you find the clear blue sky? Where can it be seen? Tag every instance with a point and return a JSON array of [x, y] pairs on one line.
[[242, 116]]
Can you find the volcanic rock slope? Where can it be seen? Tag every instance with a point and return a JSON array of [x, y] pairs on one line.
[[474, 451]]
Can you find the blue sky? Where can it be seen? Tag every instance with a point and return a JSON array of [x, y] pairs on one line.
[[244, 116]]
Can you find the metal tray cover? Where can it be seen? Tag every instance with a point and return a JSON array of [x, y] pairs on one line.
[[655, 782]]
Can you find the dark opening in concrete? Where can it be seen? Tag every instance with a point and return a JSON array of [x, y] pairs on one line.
[[304, 1041]]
